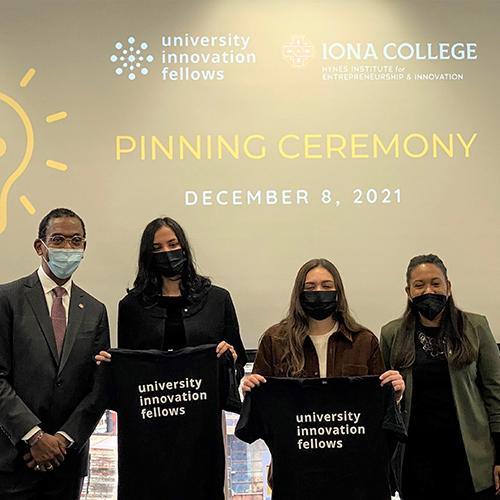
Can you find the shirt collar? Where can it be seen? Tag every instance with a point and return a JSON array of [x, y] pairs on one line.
[[338, 330], [345, 332], [48, 284]]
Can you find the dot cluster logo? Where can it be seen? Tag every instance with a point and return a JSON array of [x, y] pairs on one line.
[[131, 58], [298, 51]]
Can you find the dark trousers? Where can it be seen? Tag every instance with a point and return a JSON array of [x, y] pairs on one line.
[[63, 483], [429, 476], [488, 494]]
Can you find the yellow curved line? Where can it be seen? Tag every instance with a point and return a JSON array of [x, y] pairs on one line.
[[30, 141]]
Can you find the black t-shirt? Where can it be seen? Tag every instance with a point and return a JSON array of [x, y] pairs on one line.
[[330, 439], [170, 444], [435, 462], [433, 413]]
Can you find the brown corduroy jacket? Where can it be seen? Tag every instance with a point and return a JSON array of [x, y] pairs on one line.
[[349, 354]]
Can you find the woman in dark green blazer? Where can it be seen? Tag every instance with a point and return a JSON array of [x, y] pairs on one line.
[[451, 366]]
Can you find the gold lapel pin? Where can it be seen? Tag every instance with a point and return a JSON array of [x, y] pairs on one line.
[[81, 306]]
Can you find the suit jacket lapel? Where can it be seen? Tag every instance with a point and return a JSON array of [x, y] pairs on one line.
[[75, 317], [36, 298]]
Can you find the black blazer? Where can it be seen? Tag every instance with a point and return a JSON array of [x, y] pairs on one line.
[[35, 387], [210, 318]]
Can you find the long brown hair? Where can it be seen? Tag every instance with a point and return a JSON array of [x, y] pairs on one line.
[[296, 323], [460, 351]]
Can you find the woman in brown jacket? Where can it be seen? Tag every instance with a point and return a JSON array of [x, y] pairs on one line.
[[319, 337]]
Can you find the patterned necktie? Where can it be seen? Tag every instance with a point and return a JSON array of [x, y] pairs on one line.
[[58, 316]]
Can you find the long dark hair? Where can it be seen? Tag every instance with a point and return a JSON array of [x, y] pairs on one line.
[[460, 351], [296, 323], [148, 282]]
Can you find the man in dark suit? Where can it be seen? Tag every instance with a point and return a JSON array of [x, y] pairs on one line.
[[50, 330]]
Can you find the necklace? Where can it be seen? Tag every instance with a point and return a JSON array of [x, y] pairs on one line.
[[436, 347]]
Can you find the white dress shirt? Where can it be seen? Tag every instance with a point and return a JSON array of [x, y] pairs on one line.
[[48, 284]]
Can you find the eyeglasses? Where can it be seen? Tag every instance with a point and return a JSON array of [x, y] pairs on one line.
[[59, 241]]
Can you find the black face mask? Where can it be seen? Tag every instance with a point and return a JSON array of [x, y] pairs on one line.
[[429, 305], [171, 263], [319, 305]]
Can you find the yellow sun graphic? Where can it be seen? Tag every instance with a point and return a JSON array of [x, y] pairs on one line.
[[28, 152]]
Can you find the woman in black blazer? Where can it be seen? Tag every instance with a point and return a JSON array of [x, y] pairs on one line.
[[172, 306]]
